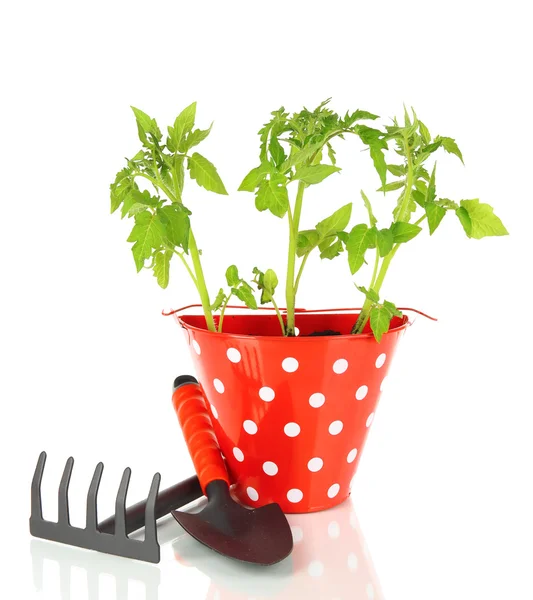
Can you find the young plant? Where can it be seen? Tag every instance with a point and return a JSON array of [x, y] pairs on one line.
[[417, 189], [292, 152], [162, 222]]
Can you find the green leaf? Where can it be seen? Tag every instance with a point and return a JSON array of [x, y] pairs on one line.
[[146, 124], [147, 233], [121, 190], [371, 294], [194, 138], [162, 267], [272, 195], [393, 185], [482, 220], [385, 241], [392, 309], [331, 154], [306, 241], [424, 132], [447, 204], [315, 173], [338, 221], [219, 300], [254, 178], [403, 232], [450, 146], [232, 276], [269, 284], [358, 242], [371, 217], [332, 251], [380, 318], [435, 214], [464, 218], [246, 296], [397, 170], [360, 115], [419, 197], [205, 174], [183, 125], [378, 158], [175, 218], [276, 151]]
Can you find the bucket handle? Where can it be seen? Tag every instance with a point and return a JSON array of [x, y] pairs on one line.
[[296, 310]]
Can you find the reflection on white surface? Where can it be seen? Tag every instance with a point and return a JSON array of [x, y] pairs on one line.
[[330, 561]]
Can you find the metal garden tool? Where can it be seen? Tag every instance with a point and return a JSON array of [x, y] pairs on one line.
[[261, 535]]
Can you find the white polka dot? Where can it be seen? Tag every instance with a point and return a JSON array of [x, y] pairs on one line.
[[361, 392], [250, 427], [296, 331], [267, 394], [252, 494], [384, 384], [315, 568], [334, 530], [370, 591], [291, 429], [196, 347], [270, 468], [336, 427], [370, 419], [219, 386], [290, 364], [339, 366], [353, 562], [237, 453], [294, 495], [351, 455], [214, 411], [234, 355], [297, 534], [315, 464], [380, 360], [317, 399], [333, 490]]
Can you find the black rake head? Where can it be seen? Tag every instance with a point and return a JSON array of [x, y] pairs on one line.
[[116, 542]]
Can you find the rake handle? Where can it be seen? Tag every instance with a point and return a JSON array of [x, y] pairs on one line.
[[197, 428], [170, 499]]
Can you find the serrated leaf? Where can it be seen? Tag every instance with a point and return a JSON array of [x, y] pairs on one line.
[[391, 307], [403, 232], [219, 300], [482, 222], [306, 241], [358, 242], [121, 190], [246, 296], [175, 218], [397, 170], [232, 276], [424, 132], [435, 214], [194, 138], [162, 267], [145, 125], [331, 154], [205, 174], [447, 204], [464, 218], [393, 185], [332, 250], [360, 115], [371, 294], [372, 219], [380, 319], [338, 221], [183, 125], [254, 178], [276, 151], [272, 195], [147, 235], [385, 241], [451, 147], [313, 174]]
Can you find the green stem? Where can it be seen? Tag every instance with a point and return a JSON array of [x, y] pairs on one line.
[[186, 264], [280, 318], [300, 271], [375, 272], [222, 313], [290, 292], [200, 279]]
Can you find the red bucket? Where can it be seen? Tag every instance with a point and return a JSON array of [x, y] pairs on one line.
[[291, 414]]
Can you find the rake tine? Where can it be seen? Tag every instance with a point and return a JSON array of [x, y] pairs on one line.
[[120, 504], [150, 527], [91, 522], [62, 504], [36, 506]]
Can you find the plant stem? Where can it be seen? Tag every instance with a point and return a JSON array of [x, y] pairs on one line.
[[300, 271], [222, 312], [200, 279], [182, 258], [375, 272], [290, 291], [280, 318]]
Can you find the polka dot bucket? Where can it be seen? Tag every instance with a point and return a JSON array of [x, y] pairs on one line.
[[291, 415]]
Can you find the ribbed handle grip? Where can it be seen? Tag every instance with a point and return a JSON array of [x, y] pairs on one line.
[[195, 422]]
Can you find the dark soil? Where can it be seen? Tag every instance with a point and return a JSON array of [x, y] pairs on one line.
[[325, 332]]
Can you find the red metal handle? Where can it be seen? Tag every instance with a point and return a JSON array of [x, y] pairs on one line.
[[195, 422]]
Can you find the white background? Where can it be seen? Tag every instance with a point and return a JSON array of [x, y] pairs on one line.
[[443, 492]]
